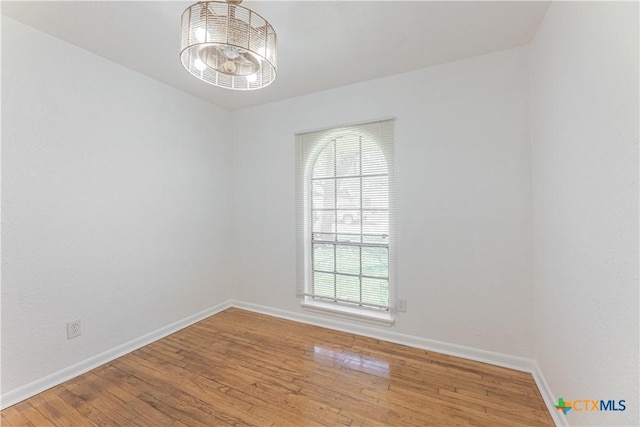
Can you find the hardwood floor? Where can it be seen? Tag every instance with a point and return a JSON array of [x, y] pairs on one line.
[[243, 368]]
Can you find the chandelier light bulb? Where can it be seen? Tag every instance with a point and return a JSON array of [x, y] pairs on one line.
[[230, 66], [251, 78]]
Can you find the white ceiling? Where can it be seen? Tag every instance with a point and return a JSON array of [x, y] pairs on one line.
[[321, 45]]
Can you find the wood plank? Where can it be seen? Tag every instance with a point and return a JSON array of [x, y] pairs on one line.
[[58, 411], [12, 416], [34, 417], [244, 368]]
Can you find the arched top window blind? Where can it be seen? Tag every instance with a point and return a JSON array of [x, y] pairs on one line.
[[345, 199]]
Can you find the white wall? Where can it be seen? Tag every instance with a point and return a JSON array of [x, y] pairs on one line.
[[121, 196], [115, 204], [464, 196], [584, 104]]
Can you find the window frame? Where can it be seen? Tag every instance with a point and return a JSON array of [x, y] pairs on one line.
[[308, 147]]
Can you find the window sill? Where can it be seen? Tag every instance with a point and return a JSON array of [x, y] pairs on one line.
[[367, 316]]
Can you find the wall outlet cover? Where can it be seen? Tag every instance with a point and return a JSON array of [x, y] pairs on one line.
[[74, 329]]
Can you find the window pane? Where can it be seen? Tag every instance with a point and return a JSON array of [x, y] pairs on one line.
[[323, 257], [355, 238], [375, 192], [375, 291], [373, 160], [330, 237], [375, 222], [323, 284], [348, 156], [380, 238], [348, 287], [324, 194], [349, 221], [325, 163], [348, 193], [324, 221], [348, 259], [375, 262]]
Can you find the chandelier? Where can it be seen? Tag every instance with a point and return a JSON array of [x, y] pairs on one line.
[[228, 45]]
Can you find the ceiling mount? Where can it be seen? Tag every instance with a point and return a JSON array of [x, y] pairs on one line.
[[228, 45]]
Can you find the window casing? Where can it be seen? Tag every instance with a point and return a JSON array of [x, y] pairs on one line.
[[345, 217]]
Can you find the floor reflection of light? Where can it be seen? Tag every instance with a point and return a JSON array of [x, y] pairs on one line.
[[353, 361]]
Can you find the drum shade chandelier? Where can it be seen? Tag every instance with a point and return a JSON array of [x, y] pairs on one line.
[[228, 45]]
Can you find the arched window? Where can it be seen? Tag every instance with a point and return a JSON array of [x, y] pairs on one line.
[[345, 217]]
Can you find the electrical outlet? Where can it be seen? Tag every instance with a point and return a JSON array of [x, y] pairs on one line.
[[73, 329], [402, 305]]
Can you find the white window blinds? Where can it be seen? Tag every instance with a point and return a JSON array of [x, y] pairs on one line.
[[345, 201]]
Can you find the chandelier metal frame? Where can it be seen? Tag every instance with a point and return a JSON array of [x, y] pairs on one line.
[[228, 45]]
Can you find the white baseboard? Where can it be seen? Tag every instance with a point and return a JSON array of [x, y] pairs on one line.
[[549, 399], [19, 394]]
